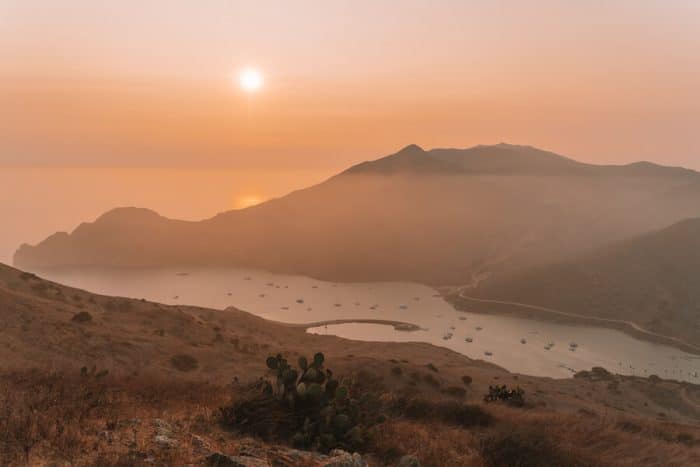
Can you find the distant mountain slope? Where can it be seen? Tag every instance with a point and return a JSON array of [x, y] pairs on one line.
[[652, 280], [503, 159], [429, 216]]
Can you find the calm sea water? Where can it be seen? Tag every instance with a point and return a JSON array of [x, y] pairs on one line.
[[515, 344]]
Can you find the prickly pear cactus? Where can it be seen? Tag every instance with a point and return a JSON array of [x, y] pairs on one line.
[[326, 415]]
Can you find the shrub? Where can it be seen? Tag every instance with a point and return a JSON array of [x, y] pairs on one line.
[[527, 448], [82, 317], [184, 363], [432, 367], [431, 380], [306, 406], [515, 397], [397, 371], [451, 412], [467, 380]]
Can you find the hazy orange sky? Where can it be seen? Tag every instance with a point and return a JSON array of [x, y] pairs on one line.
[[151, 83]]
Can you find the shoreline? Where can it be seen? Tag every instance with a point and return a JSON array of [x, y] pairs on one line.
[[463, 302], [397, 325]]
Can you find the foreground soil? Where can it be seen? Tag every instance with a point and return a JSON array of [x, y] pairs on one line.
[[172, 367]]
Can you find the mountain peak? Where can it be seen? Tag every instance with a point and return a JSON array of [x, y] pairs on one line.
[[410, 159], [411, 148]]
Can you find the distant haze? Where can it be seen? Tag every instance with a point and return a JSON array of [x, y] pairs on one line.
[[151, 84], [36, 202], [439, 216]]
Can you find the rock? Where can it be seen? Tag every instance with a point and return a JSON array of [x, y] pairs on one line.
[[200, 445], [409, 461], [285, 457], [162, 426], [340, 458], [222, 460], [165, 441], [164, 434]]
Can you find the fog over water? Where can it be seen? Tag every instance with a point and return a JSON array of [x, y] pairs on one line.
[[515, 344]]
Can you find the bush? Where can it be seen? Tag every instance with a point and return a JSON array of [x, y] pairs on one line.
[[527, 448], [184, 363], [451, 412], [514, 397], [82, 317], [467, 380], [431, 380], [397, 371], [305, 406]]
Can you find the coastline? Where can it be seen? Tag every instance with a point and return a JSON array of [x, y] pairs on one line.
[[462, 302], [397, 325]]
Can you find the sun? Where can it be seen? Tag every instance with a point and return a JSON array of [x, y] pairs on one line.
[[250, 80], [242, 202]]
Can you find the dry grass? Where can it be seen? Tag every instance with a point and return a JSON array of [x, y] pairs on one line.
[[85, 420], [61, 416], [435, 444], [597, 441]]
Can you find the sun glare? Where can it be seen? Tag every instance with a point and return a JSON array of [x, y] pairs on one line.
[[250, 80], [247, 201]]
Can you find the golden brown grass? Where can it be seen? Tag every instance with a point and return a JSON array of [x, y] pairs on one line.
[[63, 416], [84, 420]]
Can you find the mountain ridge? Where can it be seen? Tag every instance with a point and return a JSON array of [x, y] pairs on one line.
[[502, 158], [427, 216]]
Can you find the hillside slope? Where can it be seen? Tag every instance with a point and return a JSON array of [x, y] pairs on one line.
[[172, 368], [429, 216], [652, 280]]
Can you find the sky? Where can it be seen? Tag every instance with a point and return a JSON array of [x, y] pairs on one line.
[[132, 84]]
